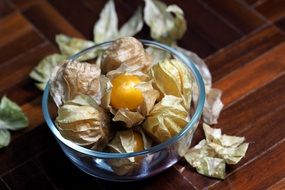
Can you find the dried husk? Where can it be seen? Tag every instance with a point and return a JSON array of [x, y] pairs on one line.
[[73, 78], [202, 157], [130, 118], [106, 28], [231, 148], [128, 51], [167, 23], [69, 46], [83, 122], [166, 119], [171, 77], [213, 104], [210, 156], [42, 72], [124, 142], [157, 54]]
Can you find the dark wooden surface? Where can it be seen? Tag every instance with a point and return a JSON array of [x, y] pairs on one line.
[[243, 43]]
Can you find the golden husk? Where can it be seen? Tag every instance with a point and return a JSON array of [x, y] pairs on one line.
[[124, 142], [167, 118], [211, 155], [83, 122], [130, 118], [128, 51], [171, 77], [74, 78]]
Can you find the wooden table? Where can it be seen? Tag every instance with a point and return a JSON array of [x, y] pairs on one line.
[[243, 43]]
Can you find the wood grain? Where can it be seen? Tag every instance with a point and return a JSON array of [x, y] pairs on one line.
[[278, 186], [242, 52], [84, 22], [260, 173], [49, 22], [243, 43], [35, 179], [25, 148], [3, 185], [272, 9], [5, 8], [17, 37], [254, 75], [209, 25], [250, 118], [242, 17]]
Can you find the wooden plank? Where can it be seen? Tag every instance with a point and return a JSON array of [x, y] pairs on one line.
[[252, 2], [254, 75], [27, 176], [273, 9], [241, 52], [191, 40], [278, 186], [5, 8], [84, 22], [240, 15], [49, 22], [207, 23], [23, 5], [254, 122], [245, 112], [195, 42], [3, 185], [16, 73], [281, 24], [262, 134], [16, 37], [260, 173], [24, 148], [65, 175], [62, 172]]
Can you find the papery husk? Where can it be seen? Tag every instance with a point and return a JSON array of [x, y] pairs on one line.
[[130, 118], [127, 50], [128, 70], [70, 46], [202, 157], [150, 96], [213, 106], [106, 28], [133, 25], [210, 156], [5, 138], [83, 122], [124, 142], [12, 116], [73, 78], [171, 77], [201, 66], [167, 23], [157, 54], [167, 119], [231, 148], [185, 142], [42, 72]]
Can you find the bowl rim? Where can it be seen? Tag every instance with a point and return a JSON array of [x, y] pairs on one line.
[[106, 155]]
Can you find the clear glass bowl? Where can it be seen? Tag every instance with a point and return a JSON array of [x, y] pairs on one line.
[[153, 160]]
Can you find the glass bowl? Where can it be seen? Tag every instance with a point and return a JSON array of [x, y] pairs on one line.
[[151, 161]]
